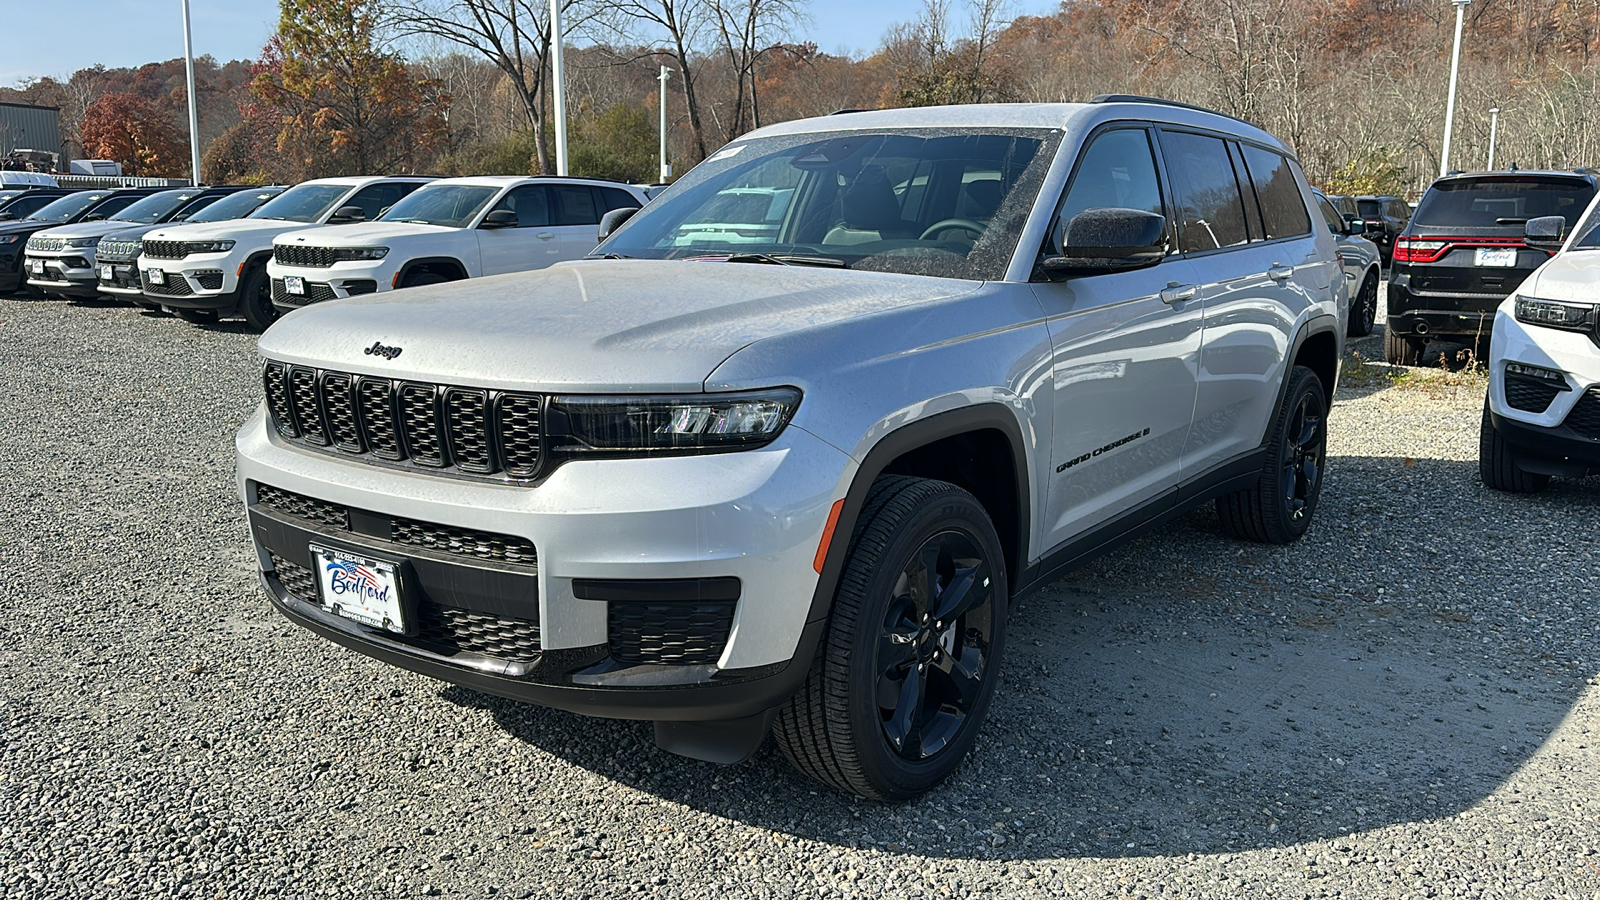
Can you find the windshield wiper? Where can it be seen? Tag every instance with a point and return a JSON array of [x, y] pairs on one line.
[[770, 260], [610, 256]]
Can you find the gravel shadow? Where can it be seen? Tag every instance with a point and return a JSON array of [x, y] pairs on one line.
[[1225, 697]]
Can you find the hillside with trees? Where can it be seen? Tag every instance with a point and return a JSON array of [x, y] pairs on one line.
[[463, 86]]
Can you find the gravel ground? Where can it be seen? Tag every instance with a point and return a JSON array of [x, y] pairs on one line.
[[1403, 704]]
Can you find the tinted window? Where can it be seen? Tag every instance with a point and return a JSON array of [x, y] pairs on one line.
[[1209, 205], [374, 199], [1283, 210], [531, 203], [113, 206], [187, 213], [575, 205], [1330, 216], [1369, 209], [153, 208], [616, 199], [1252, 206], [1507, 200], [234, 206], [25, 206], [1118, 170]]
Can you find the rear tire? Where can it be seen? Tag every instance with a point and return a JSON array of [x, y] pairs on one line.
[[1401, 350], [1279, 508], [899, 687], [1364, 309], [255, 298], [1497, 462]]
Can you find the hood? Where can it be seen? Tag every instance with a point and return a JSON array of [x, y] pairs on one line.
[[95, 229], [17, 226], [362, 234], [264, 230], [1572, 275], [594, 325]]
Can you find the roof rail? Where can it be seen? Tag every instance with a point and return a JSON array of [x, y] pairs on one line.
[[1140, 98]]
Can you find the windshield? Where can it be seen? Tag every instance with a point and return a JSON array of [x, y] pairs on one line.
[[69, 206], [302, 203], [1587, 235], [154, 208], [1511, 200], [451, 205], [233, 206], [946, 202]]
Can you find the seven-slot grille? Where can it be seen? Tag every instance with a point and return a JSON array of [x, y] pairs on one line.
[[116, 250], [313, 257], [466, 430], [166, 249]]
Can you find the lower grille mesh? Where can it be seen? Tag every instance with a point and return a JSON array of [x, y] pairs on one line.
[[670, 634], [1529, 394], [1585, 416]]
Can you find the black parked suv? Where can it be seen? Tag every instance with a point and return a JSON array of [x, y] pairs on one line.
[[1386, 218], [19, 204], [1464, 252], [75, 207]]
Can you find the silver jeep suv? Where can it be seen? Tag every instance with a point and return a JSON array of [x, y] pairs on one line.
[[675, 483]]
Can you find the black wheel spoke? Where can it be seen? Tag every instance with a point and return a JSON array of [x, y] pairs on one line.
[[968, 588], [904, 727]]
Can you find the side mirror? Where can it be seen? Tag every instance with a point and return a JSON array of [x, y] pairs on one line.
[[1098, 241], [1545, 233], [1354, 226], [94, 217], [348, 214], [500, 218], [6, 215], [613, 220]]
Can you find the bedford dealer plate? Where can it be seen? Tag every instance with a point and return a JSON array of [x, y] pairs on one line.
[[295, 284], [359, 588], [155, 276], [105, 273], [1495, 256]]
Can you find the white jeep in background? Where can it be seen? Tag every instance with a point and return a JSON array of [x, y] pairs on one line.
[[219, 268], [452, 229]]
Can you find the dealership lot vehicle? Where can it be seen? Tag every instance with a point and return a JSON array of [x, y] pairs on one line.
[[1542, 415], [796, 485], [220, 268], [21, 203], [449, 230], [1464, 251], [61, 261], [1362, 266], [117, 255], [77, 207]]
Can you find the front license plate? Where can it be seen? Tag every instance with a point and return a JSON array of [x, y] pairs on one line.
[[295, 285], [105, 273], [36, 267], [155, 276], [361, 589], [1485, 256]]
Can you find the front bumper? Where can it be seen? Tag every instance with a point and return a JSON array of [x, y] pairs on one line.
[[343, 279], [1560, 433], [66, 276], [599, 528], [119, 278]]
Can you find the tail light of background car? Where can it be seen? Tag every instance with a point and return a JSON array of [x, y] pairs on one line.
[[1414, 250]]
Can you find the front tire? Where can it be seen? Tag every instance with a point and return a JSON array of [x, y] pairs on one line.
[[906, 671], [1364, 311], [1497, 462], [255, 298], [1279, 508]]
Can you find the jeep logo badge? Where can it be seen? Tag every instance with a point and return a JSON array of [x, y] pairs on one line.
[[378, 349]]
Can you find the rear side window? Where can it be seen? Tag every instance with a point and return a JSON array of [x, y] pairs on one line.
[[376, 198], [1283, 210], [1330, 216], [1508, 200], [575, 205], [531, 203], [1370, 209], [1210, 209], [615, 199]]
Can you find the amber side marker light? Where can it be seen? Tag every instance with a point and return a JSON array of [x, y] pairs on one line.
[[827, 535]]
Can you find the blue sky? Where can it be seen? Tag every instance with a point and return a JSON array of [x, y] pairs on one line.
[[131, 32]]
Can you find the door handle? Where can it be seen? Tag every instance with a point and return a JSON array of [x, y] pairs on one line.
[[545, 236], [1179, 293], [1280, 272]]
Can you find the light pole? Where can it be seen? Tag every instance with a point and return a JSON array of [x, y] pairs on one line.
[[1450, 103], [559, 86], [666, 170], [194, 114], [1494, 121]]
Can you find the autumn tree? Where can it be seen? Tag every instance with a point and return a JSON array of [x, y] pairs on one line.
[[347, 106], [130, 130]]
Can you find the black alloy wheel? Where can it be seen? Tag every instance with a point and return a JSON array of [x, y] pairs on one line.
[[900, 684], [933, 646], [1364, 308], [1278, 509], [255, 298]]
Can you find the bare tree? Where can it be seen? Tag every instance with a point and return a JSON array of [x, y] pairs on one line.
[[682, 22], [749, 29]]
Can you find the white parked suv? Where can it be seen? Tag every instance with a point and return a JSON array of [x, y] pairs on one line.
[[791, 486], [452, 229], [220, 268], [1542, 415]]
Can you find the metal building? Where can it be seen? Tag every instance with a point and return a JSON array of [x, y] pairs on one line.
[[31, 128]]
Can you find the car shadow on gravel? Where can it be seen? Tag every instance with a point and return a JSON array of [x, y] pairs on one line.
[[1193, 694]]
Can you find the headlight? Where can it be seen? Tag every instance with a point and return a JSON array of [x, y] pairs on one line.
[[80, 243], [348, 254], [1555, 313], [674, 422], [209, 246], [7, 239]]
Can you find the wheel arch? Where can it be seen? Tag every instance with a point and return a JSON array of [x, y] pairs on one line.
[[1316, 346], [448, 266], [978, 448]]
